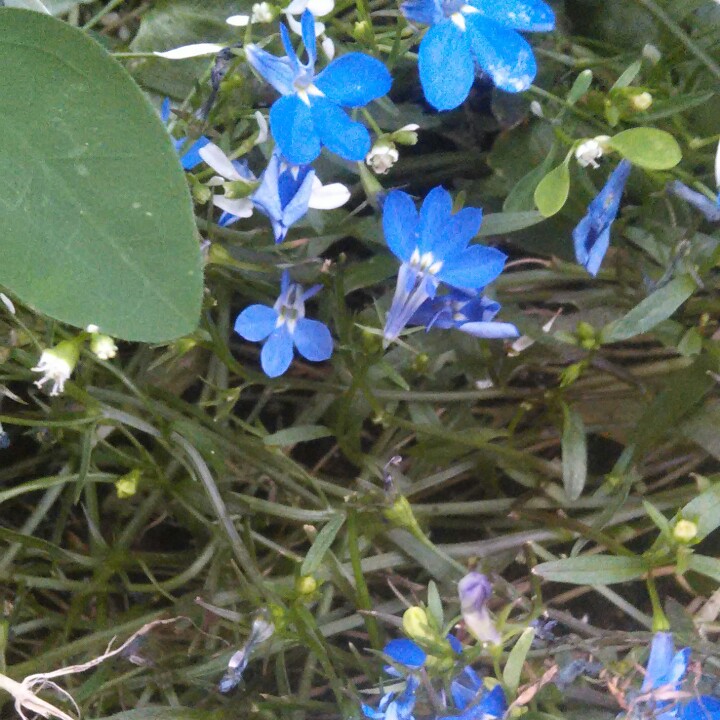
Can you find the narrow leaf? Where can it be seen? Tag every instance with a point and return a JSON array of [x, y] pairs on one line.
[[574, 453], [322, 543], [592, 570], [655, 308], [301, 433], [516, 660]]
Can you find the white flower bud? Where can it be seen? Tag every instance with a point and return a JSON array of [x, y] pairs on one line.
[[103, 346], [642, 101], [261, 13], [651, 54], [382, 157], [588, 152], [536, 109]]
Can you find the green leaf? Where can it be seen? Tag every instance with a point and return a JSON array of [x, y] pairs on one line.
[[648, 148], [704, 511], [708, 566], [655, 308], [658, 518], [580, 86], [301, 433], [507, 222], [167, 713], [592, 570], [435, 607], [516, 660], [629, 74], [552, 191], [574, 453], [322, 543], [97, 219]]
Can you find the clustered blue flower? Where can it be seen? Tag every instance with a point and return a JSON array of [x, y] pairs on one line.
[[432, 246], [464, 34], [310, 112], [666, 670], [471, 699]]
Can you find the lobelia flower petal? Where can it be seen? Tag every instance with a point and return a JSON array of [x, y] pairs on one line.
[[191, 157], [490, 330], [353, 80], [474, 268], [237, 207], [238, 20], [190, 51], [434, 217], [529, 15], [219, 161], [405, 652], [709, 208], [277, 352], [292, 126], [400, 220], [446, 65], [256, 322], [292, 56], [313, 340], [503, 54], [706, 707], [277, 71], [307, 24], [337, 131], [327, 197], [428, 12], [320, 7], [590, 246], [662, 651], [464, 225], [297, 205]]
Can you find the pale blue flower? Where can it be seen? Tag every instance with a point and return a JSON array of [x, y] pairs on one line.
[[433, 248], [666, 670], [592, 234], [283, 328], [710, 209], [473, 700], [287, 191], [468, 312], [310, 112], [394, 706], [474, 591], [190, 155], [469, 32]]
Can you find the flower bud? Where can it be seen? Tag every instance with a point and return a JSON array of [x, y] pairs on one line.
[[382, 156], [642, 101], [406, 135], [306, 585], [474, 591], [103, 346], [685, 531], [262, 13], [651, 54], [417, 626], [126, 486], [401, 515], [56, 364]]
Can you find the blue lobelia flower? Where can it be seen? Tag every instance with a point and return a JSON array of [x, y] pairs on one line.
[[466, 32], [592, 233], [473, 700], [474, 591], [665, 671], [471, 313], [310, 112], [284, 194], [395, 706], [189, 157], [283, 327], [433, 248], [710, 209]]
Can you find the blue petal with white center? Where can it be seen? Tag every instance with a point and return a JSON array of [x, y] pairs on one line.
[[475, 33], [310, 114], [592, 234], [432, 253], [285, 328]]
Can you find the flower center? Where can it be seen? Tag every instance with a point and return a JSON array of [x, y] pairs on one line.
[[425, 263], [290, 307]]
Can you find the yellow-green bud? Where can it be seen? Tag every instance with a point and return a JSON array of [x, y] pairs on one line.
[[306, 585], [103, 346], [406, 135], [417, 626], [126, 486], [400, 514], [642, 101], [685, 531], [362, 31]]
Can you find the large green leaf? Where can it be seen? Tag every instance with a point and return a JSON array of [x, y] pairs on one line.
[[96, 215]]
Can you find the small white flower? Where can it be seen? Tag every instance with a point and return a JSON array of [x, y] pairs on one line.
[[103, 346], [221, 164], [327, 197], [382, 157], [651, 54], [56, 365], [590, 151]]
